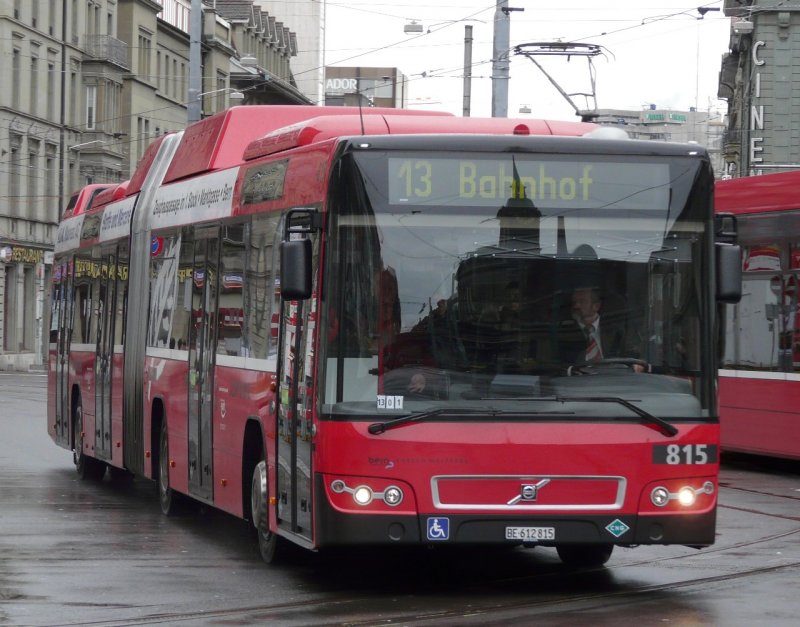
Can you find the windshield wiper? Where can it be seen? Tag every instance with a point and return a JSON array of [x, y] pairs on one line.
[[379, 427], [649, 419]]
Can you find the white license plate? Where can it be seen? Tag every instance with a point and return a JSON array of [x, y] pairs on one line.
[[529, 534]]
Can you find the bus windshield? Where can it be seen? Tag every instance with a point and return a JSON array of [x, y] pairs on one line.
[[481, 280]]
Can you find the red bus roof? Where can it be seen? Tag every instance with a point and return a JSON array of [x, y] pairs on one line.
[[219, 141], [758, 194], [110, 194], [82, 200], [149, 156], [327, 126]]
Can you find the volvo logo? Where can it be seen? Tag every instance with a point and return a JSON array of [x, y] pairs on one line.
[[528, 492]]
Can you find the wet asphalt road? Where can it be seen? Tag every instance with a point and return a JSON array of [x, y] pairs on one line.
[[82, 553]]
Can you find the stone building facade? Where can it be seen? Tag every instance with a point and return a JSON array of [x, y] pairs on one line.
[[760, 79], [88, 85]]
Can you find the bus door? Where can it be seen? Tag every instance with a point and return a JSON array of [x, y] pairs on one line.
[[202, 348], [789, 357], [104, 356], [61, 326], [296, 393]]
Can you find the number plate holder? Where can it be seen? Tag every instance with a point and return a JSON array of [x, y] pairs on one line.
[[530, 534]]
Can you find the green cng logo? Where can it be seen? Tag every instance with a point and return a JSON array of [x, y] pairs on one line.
[[617, 528]]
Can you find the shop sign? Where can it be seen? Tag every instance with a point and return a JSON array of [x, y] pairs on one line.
[[21, 254]]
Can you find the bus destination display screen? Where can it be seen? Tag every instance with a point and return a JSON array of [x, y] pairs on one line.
[[548, 184]]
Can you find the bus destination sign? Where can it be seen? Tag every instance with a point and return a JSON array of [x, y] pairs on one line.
[[553, 184]]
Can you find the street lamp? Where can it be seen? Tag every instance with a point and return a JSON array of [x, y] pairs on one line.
[[234, 95], [412, 27], [94, 141]]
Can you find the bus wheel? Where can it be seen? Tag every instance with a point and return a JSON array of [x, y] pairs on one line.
[[167, 498], [259, 498], [585, 555], [86, 467]]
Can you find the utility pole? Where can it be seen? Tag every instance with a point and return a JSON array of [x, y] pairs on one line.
[[500, 58], [62, 143], [193, 108], [467, 69]]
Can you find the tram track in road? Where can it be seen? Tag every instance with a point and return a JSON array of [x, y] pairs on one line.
[[299, 612], [548, 587], [791, 497]]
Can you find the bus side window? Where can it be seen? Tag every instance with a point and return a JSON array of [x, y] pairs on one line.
[[259, 302], [231, 299], [163, 287]]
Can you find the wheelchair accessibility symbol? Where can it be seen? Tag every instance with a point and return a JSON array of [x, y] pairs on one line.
[[438, 528]]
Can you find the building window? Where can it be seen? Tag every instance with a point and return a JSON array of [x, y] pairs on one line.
[[110, 112], [91, 106], [14, 175], [74, 21], [15, 78], [165, 76], [51, 192], [33, 177], [222, 84], [73, 94], [145, 45], [34, 86], [51, 92], [141, 140]]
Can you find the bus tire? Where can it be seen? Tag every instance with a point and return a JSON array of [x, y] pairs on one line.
[[168, 499], [259, 500], [86, 467], [585, 555]]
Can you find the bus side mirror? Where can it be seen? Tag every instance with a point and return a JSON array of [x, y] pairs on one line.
[[729, 272], [296, 269]]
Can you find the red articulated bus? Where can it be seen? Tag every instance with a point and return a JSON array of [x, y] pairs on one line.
[[760, 371], [84, 198], [356, 327]]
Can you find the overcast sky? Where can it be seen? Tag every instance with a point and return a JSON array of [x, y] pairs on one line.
[[654, 51]]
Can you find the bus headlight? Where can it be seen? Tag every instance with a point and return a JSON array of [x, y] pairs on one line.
[[659, 496], [362, 495], [687, 497], [392, 496], [683, 496]]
